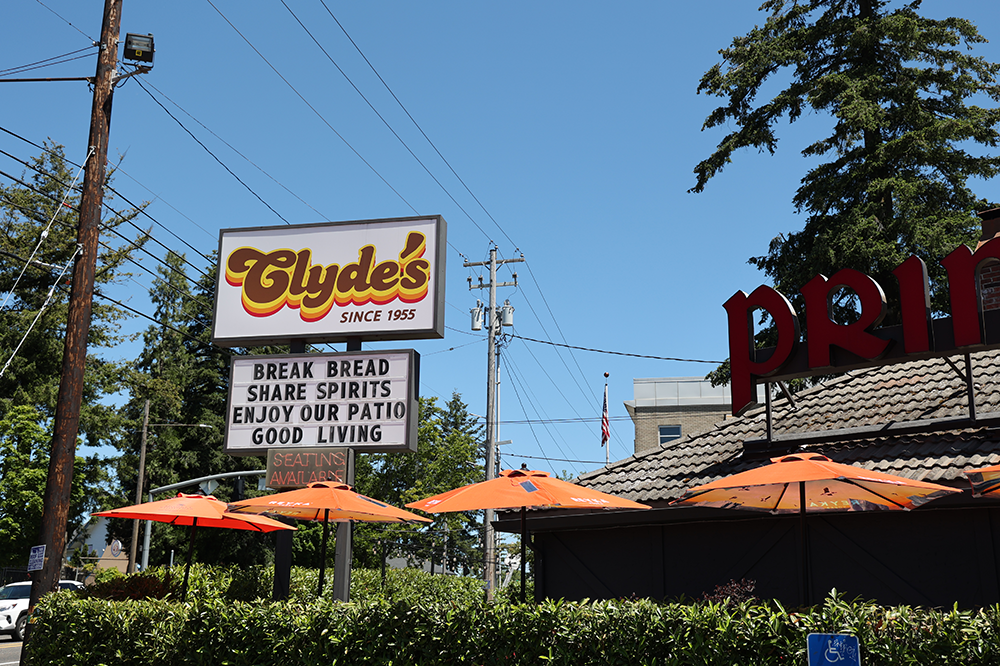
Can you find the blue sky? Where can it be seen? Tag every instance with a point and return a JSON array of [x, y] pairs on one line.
[[574, 124]]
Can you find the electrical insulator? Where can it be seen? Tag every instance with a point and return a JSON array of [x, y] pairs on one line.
[[477, 317], [507, 314]]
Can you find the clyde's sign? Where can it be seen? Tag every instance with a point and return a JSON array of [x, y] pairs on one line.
[[366, 401], [329, 282], [834, 347]]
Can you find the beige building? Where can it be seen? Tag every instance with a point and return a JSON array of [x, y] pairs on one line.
[[669, 408]]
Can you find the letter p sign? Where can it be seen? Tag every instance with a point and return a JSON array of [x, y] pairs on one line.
[[743, 362]]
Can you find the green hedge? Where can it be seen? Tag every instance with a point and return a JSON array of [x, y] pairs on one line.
[[71, 630]]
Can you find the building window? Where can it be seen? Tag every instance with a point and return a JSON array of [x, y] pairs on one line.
[[668, 433]]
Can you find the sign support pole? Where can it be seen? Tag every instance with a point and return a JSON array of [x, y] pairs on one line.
[[343, 551], [283, 539]]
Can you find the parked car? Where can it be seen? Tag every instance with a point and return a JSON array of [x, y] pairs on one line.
[[14, 606]]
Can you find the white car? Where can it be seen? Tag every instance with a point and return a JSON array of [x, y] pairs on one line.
[[14, 606]]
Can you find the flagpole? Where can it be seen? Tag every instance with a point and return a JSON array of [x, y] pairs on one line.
[[606, 425]]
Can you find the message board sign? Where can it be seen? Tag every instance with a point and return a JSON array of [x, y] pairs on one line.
[[366, 401], [296, 468], [330, 282]]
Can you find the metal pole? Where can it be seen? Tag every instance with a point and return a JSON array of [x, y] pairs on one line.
[[343, 549], [55, 511], [145, 538], [322, 550], [803, 544], [138, 487]]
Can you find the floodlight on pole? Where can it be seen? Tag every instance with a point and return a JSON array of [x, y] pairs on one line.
[[139, 48]]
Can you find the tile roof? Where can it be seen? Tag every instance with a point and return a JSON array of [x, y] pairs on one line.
[[866, 401]]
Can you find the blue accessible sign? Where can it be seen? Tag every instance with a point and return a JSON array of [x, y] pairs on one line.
[[36, 560], [841, 649]]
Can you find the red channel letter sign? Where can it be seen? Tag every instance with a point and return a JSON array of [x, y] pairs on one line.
[[834, 347]]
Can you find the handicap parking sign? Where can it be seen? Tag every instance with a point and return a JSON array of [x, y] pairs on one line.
[[827, 649]]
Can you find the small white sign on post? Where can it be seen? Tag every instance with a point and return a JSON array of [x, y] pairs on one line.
[[36, 560]]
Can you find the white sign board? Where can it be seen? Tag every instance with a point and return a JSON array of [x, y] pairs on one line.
[[36, 559], [366, 401], [330, 282]]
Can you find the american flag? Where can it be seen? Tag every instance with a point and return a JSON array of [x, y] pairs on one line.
[[605, 425]]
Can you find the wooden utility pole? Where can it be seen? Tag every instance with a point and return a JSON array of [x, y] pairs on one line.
[[55, 512], [493, 321]]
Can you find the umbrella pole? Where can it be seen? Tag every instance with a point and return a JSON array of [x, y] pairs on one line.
[[187, 569], [322, 551], [803, 543], [524, 534]]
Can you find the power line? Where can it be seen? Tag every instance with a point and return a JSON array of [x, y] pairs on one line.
[[214, 156], [55, 60], [516, 379], [441, 351], [384, 121], [48, 299], [420, 129], [30, 214], [616, 353], [119, 214], [141, 209], [233, 148], [45, 231], [313, 109], [583, 462], [92, 40]]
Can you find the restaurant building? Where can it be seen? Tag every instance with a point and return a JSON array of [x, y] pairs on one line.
[[927, 419]]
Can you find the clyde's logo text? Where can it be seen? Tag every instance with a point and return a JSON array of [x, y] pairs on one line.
[[279, 278]]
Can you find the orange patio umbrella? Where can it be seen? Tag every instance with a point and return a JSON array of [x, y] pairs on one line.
[[519, 489], [985, 481], [326, 501], [194, 510], [811, 483]]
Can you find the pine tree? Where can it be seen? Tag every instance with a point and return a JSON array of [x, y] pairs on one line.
[[186, 379], [449, 443], [907, 136], [38, 233]]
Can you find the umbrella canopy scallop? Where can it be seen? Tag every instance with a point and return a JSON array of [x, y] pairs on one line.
[[985, 481], [520, 488], [316, 499], [186, 509], [828, 487]]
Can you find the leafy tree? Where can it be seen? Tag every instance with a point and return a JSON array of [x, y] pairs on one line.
[[38, 234], [186, 380], [24, 464], [449, 455], [900, 92]]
